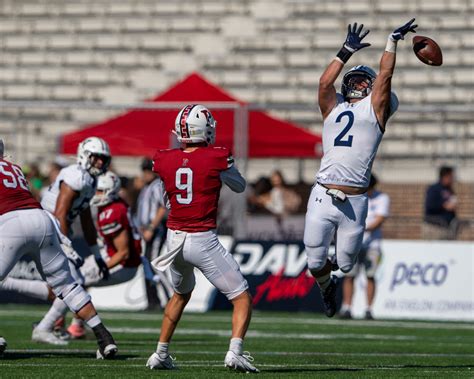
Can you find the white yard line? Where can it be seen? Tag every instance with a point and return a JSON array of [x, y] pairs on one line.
[[260, 318]]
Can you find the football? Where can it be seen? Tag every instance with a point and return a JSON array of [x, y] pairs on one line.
[[427, 51]]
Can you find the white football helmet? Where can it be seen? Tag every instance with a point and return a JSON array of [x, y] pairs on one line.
[[109, 184], [195, 124], [2, 148], [354, 76], [89, 150]]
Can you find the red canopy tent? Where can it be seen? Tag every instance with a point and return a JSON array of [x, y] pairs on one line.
[[142, 132]]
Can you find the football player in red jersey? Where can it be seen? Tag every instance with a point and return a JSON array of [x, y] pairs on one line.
[[121, 239], [27, 229], [192, 176]]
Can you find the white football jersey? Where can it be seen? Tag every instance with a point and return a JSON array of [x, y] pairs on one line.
[[351, 137], [80, 181], [379, 205]]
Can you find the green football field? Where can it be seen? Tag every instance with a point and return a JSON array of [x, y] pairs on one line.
[[285, 345]]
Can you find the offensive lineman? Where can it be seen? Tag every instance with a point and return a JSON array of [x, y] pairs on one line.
[[27, 229], [193, 176], [354, 123]]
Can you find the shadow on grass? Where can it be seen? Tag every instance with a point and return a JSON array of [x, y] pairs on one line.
[[13, 356], [305, 369]]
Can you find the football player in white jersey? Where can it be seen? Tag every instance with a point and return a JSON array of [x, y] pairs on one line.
[[68, 197], [353, 125]]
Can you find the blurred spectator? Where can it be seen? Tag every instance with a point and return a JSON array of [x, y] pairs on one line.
[[35, 179], [261, 188], [371, 253], [151, 220], [54, 167], [440, 207]]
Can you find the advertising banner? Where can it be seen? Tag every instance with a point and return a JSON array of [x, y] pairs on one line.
[[422, 280]]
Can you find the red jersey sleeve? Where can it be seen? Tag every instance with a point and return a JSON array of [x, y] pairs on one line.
[[157, 162], [223, 158]]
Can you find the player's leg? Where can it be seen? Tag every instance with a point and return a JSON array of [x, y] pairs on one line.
[[372, 261], [220, 268], [32, 288], [348, 289], [320, 226], [182, 274], [54, 267]]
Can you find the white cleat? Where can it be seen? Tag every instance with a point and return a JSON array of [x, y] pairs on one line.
[[3, 345], [157, 362], [241, 363], [47, 336]]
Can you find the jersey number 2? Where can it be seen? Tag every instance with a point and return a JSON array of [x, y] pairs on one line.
[[16, 177], [339, 141], [184, 182]]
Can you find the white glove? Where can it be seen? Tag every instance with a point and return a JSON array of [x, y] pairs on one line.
[[72, 254]]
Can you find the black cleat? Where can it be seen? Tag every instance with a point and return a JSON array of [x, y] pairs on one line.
[[346, 315], [107, 347], [368, 315], [329, 297]]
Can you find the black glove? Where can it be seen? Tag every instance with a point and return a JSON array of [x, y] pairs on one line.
[[103, 269], [353, 42], [400, 32]]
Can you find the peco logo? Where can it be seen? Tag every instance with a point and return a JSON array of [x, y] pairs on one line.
[[419, 274]]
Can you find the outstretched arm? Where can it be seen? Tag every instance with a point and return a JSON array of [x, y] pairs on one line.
[[381, 93], [327, 92]]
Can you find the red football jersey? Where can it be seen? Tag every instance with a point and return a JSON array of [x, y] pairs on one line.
[[14, 191], [192, 183], [112, 219]]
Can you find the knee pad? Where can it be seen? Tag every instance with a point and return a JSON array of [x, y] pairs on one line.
[[345, 267], [317, 257], [75, 297]]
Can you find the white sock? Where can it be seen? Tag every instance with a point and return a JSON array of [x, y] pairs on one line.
[[162, 348], [236, 345], [92, 322], [34, 288], [345, 308], [58, 309]]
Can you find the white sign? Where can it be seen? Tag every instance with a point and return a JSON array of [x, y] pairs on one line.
[[422, 280], [130, 295]]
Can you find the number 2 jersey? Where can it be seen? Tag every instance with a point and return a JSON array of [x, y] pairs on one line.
[[112, 219], [14, 191], [351, 137], [192, 184], [80, 181]]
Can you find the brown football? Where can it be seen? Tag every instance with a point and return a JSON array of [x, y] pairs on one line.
[[427, 51]]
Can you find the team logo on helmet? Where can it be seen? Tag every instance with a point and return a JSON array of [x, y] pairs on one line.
[[194, 124]]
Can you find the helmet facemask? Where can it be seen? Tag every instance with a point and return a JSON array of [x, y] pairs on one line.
[[358, 82], [90, 152], [108, 187]]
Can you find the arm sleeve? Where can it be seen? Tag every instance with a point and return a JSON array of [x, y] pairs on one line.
[[74, 178], [233, 179], [384, 206]]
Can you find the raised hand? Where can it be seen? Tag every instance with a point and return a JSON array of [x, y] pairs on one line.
[[400, 32], [354, 38]]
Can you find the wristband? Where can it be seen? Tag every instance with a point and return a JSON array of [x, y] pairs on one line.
[[95, 249], [344, 54], [391, 46]]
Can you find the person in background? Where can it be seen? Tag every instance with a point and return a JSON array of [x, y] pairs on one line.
[[440, 207], [371, 252], [150, 220]]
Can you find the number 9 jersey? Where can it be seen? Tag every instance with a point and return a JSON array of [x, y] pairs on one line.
[[14, 191], [192, 184]]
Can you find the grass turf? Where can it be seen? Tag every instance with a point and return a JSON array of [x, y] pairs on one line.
[[285, 345]]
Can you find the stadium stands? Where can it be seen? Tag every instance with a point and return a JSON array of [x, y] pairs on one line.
[[271, 52]]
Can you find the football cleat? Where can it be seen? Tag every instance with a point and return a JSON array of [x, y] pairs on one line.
[[346, 315], [241, 363], [47, 336], [107, 347], [161, 362], [3, 345], [329, 297], [76, 331], [368, 315]]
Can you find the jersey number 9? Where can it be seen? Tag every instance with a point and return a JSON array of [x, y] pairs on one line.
[[184, 182]]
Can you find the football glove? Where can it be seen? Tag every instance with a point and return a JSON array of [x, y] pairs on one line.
[[102, 266], [72, 255], [400, 32], [353, 42]]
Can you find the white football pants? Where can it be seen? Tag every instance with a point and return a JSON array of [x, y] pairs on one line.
[[204, 251], [325, 217]]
